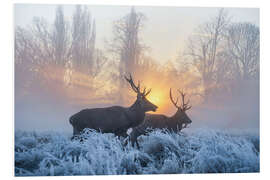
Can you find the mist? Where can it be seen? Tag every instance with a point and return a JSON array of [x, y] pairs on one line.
[[60, 70], [239, 113], [46, 112]]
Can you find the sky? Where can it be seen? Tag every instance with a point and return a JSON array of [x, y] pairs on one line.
[[166, 31], [172, 25]]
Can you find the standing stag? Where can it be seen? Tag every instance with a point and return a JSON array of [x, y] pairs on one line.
[[174, 123], [115, 119]]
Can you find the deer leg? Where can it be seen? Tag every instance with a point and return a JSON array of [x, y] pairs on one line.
[[126, 141], [76, 133], [125, 135], [133, 141], [121, 133], [137, 144]]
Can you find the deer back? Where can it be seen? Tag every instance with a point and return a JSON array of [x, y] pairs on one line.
[[110, 119], [115, 119]]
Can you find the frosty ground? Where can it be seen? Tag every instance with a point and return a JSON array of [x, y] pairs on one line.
[[161, 152]]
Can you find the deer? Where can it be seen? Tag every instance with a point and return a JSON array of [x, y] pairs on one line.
[[175, 123], [114, 119]]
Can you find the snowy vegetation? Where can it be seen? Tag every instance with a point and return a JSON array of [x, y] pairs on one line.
[[161, 152]]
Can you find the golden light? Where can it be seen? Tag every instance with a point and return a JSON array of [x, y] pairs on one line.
[[154, 99], [158, 97]]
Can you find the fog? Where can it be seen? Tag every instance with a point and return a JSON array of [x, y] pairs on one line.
[[239, 113], [52, 81], [45, 112]]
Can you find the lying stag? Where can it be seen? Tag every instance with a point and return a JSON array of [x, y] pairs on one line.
[[175, 123], [115, 119]]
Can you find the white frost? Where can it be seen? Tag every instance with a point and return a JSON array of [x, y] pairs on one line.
[[201, 151]]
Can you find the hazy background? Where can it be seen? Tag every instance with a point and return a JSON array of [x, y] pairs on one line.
[[48, 91], [180, 23]]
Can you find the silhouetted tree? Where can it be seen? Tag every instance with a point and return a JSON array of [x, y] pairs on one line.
[[127, 44], [244, 48], [205, 46], [51, 56], [83, 39], [60, 39], [42, 40]]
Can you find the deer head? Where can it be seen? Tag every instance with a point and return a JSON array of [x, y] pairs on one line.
[[144, 104], [180, 116]]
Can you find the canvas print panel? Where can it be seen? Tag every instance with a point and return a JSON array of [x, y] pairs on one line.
[[112, 90]]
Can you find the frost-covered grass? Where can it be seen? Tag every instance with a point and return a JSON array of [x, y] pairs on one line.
[[202, 151]]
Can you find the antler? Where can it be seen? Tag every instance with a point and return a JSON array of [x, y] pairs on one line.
[[133, 86], [146, 93], [174, 103], [184, 105], [137, 88]]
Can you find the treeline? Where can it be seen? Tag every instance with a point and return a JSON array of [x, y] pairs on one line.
[[60, 43], [225, 55], [56, 56], [221, 57]]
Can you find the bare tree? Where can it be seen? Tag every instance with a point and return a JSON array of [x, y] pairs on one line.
[[83, 39], [32, 52], [42, 44], [205, 46], [126, 43], [42, 39], [60, 39], [24, 47], [244, 48], [25, 59], [49, 53], [99, 61]]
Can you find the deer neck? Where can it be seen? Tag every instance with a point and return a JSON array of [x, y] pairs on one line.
[[135, 106], [173, 117], [173, 121], [135, 114]]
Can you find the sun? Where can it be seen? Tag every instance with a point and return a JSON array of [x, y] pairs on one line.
[[157, 97], [154, 99]]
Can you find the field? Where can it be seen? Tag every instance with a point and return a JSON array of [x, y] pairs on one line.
[[161, 152]]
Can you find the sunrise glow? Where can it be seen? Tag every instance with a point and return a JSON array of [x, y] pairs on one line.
[[158, 97]]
